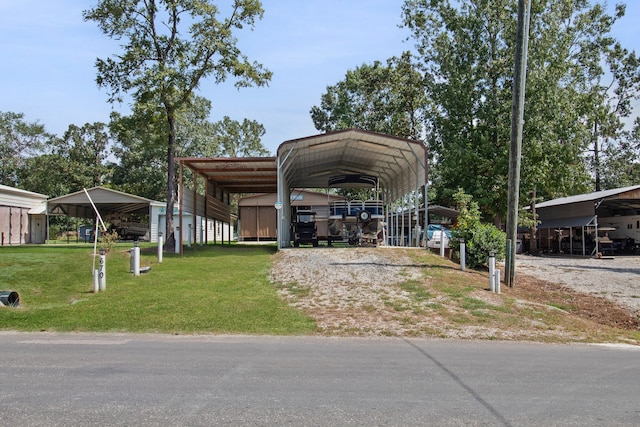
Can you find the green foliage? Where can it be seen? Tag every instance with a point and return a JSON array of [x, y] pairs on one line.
[[61, 165], [484, 239], [142, 166], [621, 160], [240, 139], [480, 239], [45, 174], [165, 56], [466, 51], [19, 141], [84, 150], [107, 240], [387, 99]]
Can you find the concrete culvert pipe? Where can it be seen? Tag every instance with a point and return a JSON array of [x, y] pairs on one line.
[[10, 298]]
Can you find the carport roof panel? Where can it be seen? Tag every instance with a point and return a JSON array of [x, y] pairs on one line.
[[400, 164], [237, 174], [616, 193], [106, 200]]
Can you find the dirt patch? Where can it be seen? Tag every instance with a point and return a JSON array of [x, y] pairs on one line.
[[585, 305], [614, 278], [410, 292]]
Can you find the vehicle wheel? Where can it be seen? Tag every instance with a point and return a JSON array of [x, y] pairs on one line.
[[315, 243], [296, 243]]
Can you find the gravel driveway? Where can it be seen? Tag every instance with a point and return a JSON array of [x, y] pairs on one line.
[[615, 278]]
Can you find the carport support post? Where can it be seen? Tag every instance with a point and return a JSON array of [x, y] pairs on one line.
[[463, 254]]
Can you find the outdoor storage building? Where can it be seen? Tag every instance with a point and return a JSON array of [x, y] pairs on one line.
[[22, 216], [258, 215]]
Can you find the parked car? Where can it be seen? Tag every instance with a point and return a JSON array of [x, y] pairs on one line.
[[437, 233]]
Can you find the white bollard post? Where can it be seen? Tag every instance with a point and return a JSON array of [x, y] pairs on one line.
[[160, 244], [201, 235], [189, 237], [492, 271], [442, 244], [178, 239], [96, 281], [102, 270], [498, 281], [463, 255], [136, 260]]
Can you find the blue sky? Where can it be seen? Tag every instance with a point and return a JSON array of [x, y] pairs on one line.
[[48, 54]]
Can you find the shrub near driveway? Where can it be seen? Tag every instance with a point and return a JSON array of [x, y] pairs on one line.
[[211, 289]]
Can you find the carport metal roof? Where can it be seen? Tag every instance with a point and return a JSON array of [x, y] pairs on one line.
[[106, 200], [618, 201], [237, 175], [400, 164]]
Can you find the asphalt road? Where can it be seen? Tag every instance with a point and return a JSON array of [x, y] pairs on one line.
[[160, 380]]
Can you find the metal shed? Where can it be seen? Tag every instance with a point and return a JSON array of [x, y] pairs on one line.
[[22, 216], [258, 215]]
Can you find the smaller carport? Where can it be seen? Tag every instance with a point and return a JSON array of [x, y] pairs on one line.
[[573, 224], [115, 206]]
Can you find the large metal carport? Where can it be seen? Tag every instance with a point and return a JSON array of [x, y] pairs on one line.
[[399, 164]]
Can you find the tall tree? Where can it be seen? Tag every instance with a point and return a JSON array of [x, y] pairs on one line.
[[381, 98], [466, 52], [621, 161], [612, 92], [19, 140], [74, 161], [86, 148], [169, 47], [140, 149], [46, 174], [240, 139], [140, 145]]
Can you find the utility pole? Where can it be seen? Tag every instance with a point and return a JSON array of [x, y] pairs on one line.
[[517, 121]]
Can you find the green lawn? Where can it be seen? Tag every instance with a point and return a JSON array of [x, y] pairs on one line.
[[211, 289]]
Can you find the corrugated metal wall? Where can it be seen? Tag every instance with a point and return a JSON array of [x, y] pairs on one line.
[[14, 225]]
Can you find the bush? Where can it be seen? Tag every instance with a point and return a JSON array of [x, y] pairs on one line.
[[484, 239], [108, 240], [480, 239]]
